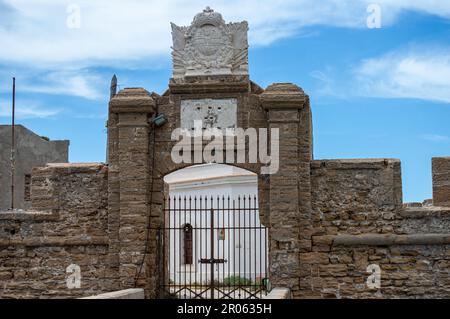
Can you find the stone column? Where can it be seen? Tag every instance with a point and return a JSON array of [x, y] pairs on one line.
[[113, 197], [290, 188], [441, 181], [129, 209]]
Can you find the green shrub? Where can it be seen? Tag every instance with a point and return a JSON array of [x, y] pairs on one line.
[[236, 281]]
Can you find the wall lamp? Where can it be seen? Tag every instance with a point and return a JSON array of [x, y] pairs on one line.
[[159, 120]]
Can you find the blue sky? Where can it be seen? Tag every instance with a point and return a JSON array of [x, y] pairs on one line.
[[374, 92]]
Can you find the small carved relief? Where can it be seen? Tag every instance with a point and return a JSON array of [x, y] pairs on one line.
[[213, 113]]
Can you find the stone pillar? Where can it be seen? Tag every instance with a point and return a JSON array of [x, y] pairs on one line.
[[129, 207], [290, 188], [113, 197], [441, 181]]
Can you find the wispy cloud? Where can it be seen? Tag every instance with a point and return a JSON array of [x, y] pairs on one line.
[[74, 83], [112, 31], [59, 60], [64, 81], [26, 109], [407, 74], [435, 137], [327, 84]]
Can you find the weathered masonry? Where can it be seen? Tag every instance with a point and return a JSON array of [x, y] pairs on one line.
[[331, 223], [31, 150]]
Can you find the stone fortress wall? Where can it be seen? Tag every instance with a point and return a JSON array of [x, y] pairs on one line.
[[31, 150], [328, 220], [67, 225], [359, 220]]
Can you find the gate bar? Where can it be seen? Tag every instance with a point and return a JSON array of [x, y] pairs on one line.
[[212, 253], [13, 142]]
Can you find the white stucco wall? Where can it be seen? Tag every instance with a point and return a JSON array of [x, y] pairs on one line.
[[244, 249]]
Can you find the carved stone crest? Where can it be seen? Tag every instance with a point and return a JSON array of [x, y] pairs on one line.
[[210, 47], [211, 113]]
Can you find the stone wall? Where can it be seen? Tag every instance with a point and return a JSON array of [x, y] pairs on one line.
[[355, 196], [132, 247], [441, 181], [328, 219], [68, 226], [407, 271], [290, 188], [359, 221], [32, 150]]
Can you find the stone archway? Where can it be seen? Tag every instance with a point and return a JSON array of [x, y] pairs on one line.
[[136, 185], [139, 156]]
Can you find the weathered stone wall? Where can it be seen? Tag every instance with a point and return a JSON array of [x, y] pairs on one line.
[[359, 221], [308, 205], [31, 151], [407, 271], [290, 188], [355, 196], [68, 226], [441, 181], [328, 219]]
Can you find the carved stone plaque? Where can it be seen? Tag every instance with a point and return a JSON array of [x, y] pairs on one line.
[[213, 113], [210, 47]]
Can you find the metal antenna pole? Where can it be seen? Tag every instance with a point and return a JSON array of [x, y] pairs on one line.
[[13, 142]]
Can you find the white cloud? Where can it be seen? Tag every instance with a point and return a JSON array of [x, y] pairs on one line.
[[26, 109], [435, 138], [75, 83], [327, 85], [83, 83], [420, 74], [136, 34], [35, 32]]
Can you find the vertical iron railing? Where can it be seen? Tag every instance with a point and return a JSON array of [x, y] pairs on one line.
[[227, 247]]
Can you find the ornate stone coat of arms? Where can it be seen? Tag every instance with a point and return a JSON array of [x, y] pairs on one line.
[[210, 47]]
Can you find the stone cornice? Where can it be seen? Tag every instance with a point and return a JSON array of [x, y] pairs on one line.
[[132, 100], [212, 84], [56, 241], [283, 96], [382, 239], [28, 215]]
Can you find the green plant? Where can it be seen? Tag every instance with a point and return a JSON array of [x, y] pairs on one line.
[[236, 281]]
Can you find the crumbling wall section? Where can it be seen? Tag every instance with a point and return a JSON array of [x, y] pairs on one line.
[[67, 226]]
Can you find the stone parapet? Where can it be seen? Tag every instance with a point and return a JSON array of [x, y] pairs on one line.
[[441, 181], [132, 100], [382, 239], [283, 96]]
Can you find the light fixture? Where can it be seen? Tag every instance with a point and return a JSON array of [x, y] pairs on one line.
[[159, 120]]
